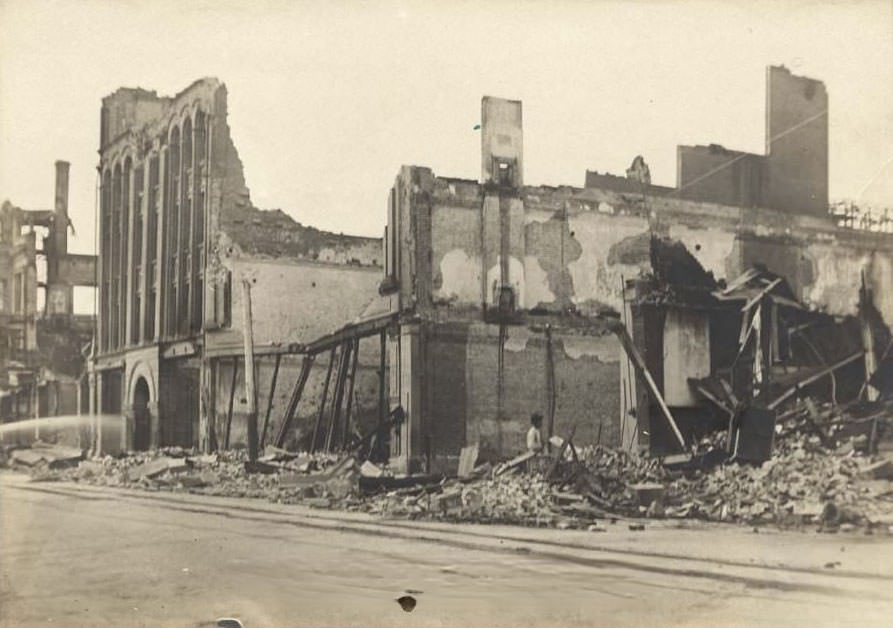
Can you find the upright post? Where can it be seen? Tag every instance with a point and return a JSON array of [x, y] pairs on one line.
[[248, 338]]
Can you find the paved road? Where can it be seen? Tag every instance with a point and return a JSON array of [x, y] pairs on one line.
[[75, 556]]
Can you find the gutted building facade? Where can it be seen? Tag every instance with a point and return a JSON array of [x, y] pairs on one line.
[[509, 295], [180, 246], [42, 341]]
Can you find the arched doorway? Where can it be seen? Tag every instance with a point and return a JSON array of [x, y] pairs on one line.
[[141, 418]]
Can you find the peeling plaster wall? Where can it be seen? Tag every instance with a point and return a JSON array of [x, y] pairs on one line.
[[713, 248], [838, 278], [605, 259]]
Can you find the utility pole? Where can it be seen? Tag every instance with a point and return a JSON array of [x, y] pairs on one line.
[[248, 336]]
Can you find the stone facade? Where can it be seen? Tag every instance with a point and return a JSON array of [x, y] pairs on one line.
[[178, 238]]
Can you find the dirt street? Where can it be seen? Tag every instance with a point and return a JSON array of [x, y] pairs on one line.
[[84, 556]]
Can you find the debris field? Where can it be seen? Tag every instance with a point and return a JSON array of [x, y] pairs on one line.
[[820, 475]]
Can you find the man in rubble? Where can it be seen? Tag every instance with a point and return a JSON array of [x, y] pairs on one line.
[[535, 434]]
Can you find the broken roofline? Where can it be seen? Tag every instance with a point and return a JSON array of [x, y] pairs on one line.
[[764, 222]]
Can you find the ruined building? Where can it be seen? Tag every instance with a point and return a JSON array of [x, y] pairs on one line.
[[486, 300], [507, 296], [179, 238], [41, 349], [791, 177]]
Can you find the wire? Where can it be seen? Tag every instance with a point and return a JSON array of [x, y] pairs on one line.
[[725, 165]]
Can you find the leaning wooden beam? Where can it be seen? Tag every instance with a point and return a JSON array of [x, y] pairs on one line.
[[335, 417], [639, 363], [353, 373], [709, 396], [817, 376], [293, 402], [263, 435], [755, 298], [322, 401], [232, 398]]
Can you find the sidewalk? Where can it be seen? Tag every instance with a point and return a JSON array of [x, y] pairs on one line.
[[684, 548]]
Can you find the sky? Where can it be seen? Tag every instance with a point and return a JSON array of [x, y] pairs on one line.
[[328, 99]]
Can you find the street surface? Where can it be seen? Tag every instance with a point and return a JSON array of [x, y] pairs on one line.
[[73, 555]]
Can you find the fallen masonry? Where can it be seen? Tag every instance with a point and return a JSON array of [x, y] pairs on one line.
[[820, 474]]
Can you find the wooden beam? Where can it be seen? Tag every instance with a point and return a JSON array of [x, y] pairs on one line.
[[335, 416], [232, 398], [639, 362], [322, 401], [263, 436], [709, 396], [353, 372], [295, 399], [805, 382], [250, 391], [550, 385], [757, 297]]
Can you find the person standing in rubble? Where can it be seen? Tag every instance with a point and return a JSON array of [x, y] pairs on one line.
[[535, 434]]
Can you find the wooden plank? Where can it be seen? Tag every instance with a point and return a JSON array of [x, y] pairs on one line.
[[322, 402], [263, 436], [639, 362]]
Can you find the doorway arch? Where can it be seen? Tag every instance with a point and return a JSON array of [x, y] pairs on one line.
[[141, 416]]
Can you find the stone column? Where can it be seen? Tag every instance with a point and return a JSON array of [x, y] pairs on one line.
[[154, 425], [128, 423]]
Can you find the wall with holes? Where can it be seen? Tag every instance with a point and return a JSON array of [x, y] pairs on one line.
[[570, 248]]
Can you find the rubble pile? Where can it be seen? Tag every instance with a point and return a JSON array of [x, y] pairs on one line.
[[517, 499], [821, 472]]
